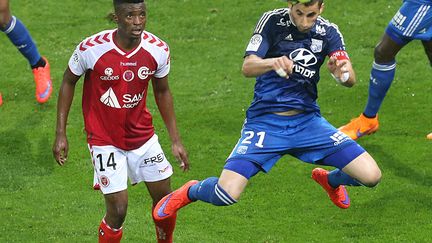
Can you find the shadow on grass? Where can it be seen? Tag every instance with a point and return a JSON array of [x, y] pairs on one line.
[[25, 154], [399, 167]]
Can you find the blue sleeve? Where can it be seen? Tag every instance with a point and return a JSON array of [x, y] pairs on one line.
[[261, 40], [335, 39]]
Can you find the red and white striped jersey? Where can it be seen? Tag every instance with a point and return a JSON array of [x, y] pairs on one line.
[[115, 87]]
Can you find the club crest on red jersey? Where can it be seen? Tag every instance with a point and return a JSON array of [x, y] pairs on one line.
[[128, 75], [104, 181]]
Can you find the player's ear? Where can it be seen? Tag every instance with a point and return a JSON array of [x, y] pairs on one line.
[[290, 4], [322, 8], [115, 18], [110, 17]]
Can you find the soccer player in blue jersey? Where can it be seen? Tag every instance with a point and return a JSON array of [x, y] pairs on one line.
[[20, 37], [412, 21], [285, 54]]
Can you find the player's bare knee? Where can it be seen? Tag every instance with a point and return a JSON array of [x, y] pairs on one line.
[[372, 179], [235, 195], [232, 191], [118, 213], [381, 55]]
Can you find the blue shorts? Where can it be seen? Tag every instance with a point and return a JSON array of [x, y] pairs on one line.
[[412, 21], [308, 137]]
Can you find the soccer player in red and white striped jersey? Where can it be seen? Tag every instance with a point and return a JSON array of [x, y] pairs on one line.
[[118, 66]]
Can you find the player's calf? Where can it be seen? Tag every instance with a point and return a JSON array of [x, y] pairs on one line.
[[210, 191]]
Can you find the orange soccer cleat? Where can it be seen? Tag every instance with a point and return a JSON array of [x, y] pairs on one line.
[[42, 78], [339, 195], [429, 136], [172, 202], [360, 126], [1, 99]]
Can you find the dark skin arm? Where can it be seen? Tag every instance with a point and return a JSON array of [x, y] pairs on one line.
[[164, 101], [66, 94]]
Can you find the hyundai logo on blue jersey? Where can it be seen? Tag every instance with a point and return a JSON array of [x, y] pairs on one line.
[[303, 57]]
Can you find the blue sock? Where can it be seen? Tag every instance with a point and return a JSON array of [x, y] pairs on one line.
[[208, 190], [382, 76], [338, 177], [20, 37]]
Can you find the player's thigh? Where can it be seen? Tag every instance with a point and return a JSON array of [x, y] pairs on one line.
[[266, 138], [148, 163], [159, 189], [233, 183], [110, 165], [364, 169], [318, 141]]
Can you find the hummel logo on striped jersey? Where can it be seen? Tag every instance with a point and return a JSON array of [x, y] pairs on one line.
[[339, 138], [110, 99]]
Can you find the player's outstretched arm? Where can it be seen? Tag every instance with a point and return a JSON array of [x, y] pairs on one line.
[[254, 66], [66, 93], [342, 71], [165, 104]]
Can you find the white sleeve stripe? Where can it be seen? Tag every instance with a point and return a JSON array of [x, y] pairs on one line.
[[417, 20], [264, 19]]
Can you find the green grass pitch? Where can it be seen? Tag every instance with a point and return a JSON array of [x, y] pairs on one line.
[[42, 202]]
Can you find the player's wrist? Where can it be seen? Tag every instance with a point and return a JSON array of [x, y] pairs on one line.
[[61, 132]]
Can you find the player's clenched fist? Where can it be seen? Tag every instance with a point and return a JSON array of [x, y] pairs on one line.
[[283, 66]]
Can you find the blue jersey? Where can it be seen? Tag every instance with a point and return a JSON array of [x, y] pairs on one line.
[[275, 35], [412, 21], [419, 1]]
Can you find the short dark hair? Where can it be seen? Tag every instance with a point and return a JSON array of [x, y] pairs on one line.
[[119, 2], [306, 2], [116, 2]]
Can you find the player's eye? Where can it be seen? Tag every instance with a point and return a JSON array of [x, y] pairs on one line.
[[311, 15]]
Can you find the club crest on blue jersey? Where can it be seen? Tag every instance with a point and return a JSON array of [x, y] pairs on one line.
[[316, 45]]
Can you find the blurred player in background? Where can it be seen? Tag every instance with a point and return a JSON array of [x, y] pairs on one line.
[[20, 37], [118, 65], [412, 21], [285, 54]]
